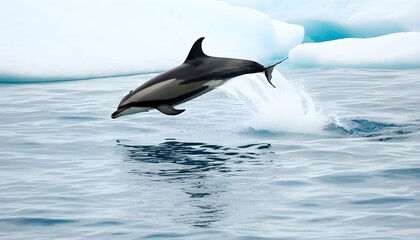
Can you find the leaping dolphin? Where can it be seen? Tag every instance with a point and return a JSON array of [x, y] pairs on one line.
[[198, 75]]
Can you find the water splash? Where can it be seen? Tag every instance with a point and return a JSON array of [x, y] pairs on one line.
[[281, 109]]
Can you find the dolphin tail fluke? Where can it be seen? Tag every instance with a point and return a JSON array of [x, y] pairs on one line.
[[269, 70]]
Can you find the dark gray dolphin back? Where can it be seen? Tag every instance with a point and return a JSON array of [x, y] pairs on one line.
[[229, 67], [216, 68], [200, 67]]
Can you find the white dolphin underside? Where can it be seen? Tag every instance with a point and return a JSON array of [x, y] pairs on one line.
[[166, 90]]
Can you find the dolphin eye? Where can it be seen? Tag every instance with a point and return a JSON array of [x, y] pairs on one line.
[[130, 91]]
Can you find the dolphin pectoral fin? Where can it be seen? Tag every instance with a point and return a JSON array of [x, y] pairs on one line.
[[169, 110]]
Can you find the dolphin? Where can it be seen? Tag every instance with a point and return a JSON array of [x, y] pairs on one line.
[[198, 75]]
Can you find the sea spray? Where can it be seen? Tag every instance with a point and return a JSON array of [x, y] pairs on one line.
[[281, 109]]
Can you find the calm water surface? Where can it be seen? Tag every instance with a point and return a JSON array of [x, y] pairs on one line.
[[68, 171]]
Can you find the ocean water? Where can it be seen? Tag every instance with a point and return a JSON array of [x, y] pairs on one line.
[[328, 154]]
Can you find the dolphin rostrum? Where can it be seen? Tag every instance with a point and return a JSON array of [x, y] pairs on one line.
[[198, 75]]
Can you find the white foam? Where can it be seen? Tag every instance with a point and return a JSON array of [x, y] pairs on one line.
[[281, 109]]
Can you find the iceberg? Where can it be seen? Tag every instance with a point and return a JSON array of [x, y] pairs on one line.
[[351, 34], [53, 40], [396, 51], [288, 36], [326, 20]]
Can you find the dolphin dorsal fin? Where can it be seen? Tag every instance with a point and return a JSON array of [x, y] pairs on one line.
[[196, 50]]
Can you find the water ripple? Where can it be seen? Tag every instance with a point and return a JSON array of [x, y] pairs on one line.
[[383, 200], [376, 131], [36, 221], [402, 173], [346, 179]]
